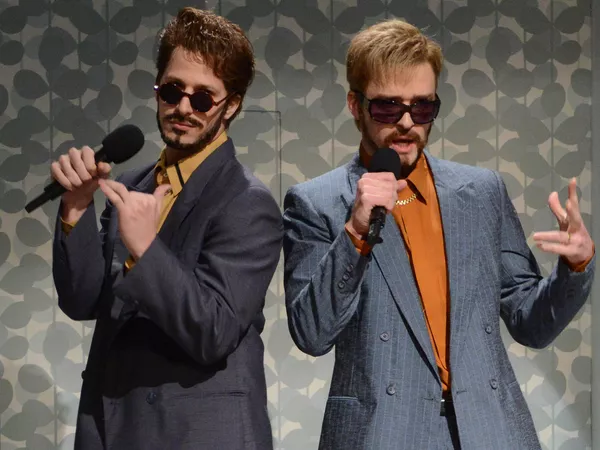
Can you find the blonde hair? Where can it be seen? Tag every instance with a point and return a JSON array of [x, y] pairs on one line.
[[388, 46]]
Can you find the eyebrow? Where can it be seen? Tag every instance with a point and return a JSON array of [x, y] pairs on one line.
[[416, 98], [197, 87]]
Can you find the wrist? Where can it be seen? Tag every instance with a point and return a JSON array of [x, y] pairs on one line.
[[71, 211], [350, 229], [137, 251]]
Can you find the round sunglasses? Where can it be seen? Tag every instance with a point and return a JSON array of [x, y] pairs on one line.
[[390, 111], [201, 101]]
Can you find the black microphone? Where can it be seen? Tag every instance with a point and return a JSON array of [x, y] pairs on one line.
[[384, 160], [120, 145]]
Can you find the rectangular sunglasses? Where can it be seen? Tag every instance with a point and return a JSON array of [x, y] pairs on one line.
[[389, 111]]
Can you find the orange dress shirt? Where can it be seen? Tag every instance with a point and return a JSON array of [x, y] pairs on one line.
[[420, 223]]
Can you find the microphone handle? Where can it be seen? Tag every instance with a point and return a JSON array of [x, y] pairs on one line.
[[376, 224]]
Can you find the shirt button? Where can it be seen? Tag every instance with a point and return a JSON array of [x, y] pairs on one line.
[[151, 397], [494, 383], [385, 336], [341, 285], [488, 329], [391, 389]]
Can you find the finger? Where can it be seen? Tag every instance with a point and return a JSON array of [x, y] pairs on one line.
[[161, 191], [59, 176], [110, 193], [573, 204], [557, 209], [400, 185], [103, 170], [78, 165], [560, 237], [557, 249], [373, 200], [67, 169], [381, 176], [89, 161], [119, 188]]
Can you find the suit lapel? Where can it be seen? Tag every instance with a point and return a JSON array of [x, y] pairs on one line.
[[184, 203], [392, 260], [193, 188], [459, 217]]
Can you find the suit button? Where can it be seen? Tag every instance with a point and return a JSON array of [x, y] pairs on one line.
[[341, 285], [350, 268], [151, 397], [488, 329], [494, 383], [83, 374], [385, 336], [345, 277], [391, 389]]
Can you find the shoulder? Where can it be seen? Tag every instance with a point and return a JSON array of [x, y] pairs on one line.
[[481, 178], [244, 189], [322, 189]]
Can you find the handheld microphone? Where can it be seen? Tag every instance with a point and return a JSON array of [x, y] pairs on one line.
[[384, 160], [117, 147]]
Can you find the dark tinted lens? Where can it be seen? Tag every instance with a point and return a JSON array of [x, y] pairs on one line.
[[170, 94], [424, 112], [201, 101], [385, 111]]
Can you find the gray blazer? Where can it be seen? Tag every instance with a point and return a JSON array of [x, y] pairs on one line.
[[385, 391], [176, 361]]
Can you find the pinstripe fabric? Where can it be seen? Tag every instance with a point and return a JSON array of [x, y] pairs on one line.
[[385, 389]]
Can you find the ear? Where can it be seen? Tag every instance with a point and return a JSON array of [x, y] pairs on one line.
[[353, 104], [233, 104]]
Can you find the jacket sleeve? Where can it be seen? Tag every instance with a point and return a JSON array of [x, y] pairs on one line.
[[208, 308], [323, 276], [535, 309], [78, 265]]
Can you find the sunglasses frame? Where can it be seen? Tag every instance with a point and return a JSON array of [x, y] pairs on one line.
[[157, 89], [404, 108]]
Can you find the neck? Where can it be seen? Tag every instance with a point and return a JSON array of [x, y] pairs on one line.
[[174, 155]]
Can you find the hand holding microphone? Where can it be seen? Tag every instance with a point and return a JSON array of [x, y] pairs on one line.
[[376, 195], [76, 174]]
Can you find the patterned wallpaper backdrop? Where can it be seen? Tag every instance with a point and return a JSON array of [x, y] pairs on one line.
[[516, 96]]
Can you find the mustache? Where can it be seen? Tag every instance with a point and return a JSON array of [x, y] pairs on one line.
[[397, 136], [175, 117]]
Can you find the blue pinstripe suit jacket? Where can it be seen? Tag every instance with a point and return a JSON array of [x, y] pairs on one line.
[[385, 391]]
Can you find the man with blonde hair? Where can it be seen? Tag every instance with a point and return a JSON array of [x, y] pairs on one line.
[[419, 358]]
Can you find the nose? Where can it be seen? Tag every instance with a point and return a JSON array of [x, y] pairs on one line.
[[184, 106], [405, 121]]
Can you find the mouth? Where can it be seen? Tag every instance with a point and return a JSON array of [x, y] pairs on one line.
[[403, 145], [182, 126]]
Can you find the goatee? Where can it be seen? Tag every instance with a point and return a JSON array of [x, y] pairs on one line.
[[190, 147]]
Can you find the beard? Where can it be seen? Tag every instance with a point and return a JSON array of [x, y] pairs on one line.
[[205, 138], [399, 133]]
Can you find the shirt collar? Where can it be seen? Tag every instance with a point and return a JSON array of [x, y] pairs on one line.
[[179, 173]]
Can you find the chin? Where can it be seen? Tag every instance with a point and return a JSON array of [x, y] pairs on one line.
[[409, 159]]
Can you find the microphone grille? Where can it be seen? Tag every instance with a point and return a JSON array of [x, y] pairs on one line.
[[386, 160], [122, 143]]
